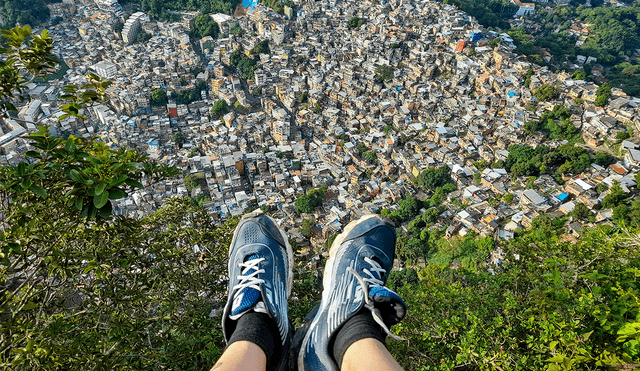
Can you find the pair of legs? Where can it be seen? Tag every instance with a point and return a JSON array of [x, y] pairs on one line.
[[364, 355], [349, 326]]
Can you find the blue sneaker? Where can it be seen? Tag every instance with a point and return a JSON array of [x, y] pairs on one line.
[[260, 276], [359, 263]]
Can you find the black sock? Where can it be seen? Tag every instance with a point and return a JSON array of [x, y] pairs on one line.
[[261, 330], [358, 327]]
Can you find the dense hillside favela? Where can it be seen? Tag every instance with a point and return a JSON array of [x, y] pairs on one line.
[[513, 185]]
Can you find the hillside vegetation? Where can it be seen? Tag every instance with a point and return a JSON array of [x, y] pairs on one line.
[[82, 292], [27, 12]]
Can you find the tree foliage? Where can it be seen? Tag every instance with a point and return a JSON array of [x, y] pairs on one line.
[[219, 108], [307, 227], [546, 92], [203, 26], [142, 37], [186, 96], [539, 310], [355, 22], [25, 12], [613, 37], [118, 26], [433, 178], [159, 8], [383, 73], [524, 160], [313, 199], [489, 13], [616, 197], [555, 123], [406, 276], [245, 65], [278, 5], [158, 97], [23, 58], [261, 47]]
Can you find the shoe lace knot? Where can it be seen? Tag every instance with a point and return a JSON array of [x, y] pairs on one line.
[[374, 279], [247, 278]]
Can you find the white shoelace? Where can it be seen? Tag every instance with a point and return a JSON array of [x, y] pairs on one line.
[[249, 280], [374, 281]]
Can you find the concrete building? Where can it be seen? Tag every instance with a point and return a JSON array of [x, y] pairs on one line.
[[105, 69], [132, 27], [30, 112]]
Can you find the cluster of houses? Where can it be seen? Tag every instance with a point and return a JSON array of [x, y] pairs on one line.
[[319, 101]]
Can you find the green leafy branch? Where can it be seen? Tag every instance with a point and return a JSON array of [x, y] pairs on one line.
[[87, 94], [84, 174], [23, 57]]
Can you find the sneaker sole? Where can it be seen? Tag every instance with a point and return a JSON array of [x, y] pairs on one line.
[[259, 212], [327, 281]]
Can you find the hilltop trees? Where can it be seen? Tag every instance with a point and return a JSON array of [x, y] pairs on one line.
[[158, 8]]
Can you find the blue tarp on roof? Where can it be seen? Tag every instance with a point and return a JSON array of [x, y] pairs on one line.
[[249, 3], [562, 196]]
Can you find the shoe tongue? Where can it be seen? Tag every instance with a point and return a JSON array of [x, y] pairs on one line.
[[248, 299]]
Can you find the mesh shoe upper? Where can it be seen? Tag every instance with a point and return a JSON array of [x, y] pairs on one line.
[[260, 274], [359, 265]]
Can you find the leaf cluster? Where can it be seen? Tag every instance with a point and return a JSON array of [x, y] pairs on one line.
[[219, 108], [23, 58], [546, 92], [82, 175], [30, 12], [78, 96]]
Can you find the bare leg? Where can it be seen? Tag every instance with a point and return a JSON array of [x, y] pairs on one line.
[[242, 355], [368, 355]]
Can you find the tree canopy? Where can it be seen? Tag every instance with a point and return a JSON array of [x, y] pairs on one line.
[[219, 108], [524, 160], [546, 92], [489, 13], [25, 12], [158, 8], [158, 97], [355, 22], [245, 65], [313, 199], [203, 26], [383, 73], [433, 178]]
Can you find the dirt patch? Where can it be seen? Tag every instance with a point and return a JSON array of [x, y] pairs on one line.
[[240, 11]]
